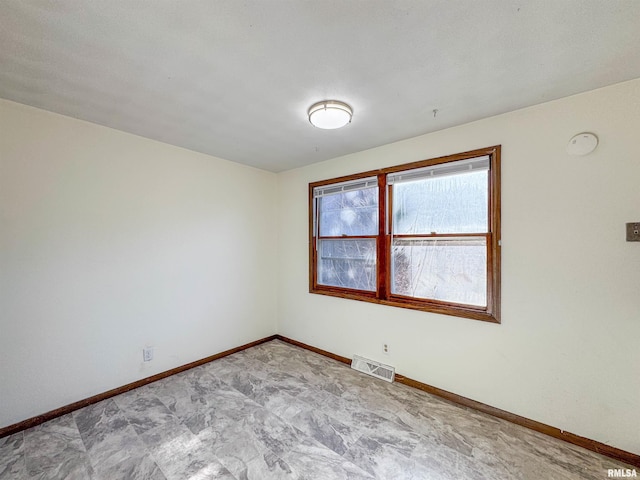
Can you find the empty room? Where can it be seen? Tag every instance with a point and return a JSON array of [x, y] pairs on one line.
[[331, 239]]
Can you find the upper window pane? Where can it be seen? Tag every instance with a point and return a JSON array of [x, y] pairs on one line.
[[455, 203], [349, 213]]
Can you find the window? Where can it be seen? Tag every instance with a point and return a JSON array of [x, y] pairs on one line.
[[425, 235]]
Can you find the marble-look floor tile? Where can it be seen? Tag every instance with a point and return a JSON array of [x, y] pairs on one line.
[[169, 389], [267, 466], [382, 460], [296, 367], [98, 420], [54, 450], [526, 453], [107, 435], [272, 432], [146, 413], [292, 384], [276, 411], [311, 460], [200, 381], [164, 434], [133, 467], [12, 463], [328, 431], [218, 410], [186, 457], [235, 447], [438, 457], [281, 403], [257, 368], [244, 382], [362, 420], [179, 398]]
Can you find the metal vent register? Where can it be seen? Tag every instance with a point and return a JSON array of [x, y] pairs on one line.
[[373, 368]]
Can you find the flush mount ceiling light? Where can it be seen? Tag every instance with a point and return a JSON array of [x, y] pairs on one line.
[[330, 114]]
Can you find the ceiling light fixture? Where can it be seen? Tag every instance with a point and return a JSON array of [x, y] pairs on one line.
[[330, 114]]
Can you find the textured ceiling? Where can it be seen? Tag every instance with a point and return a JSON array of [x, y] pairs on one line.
[[234, 78]]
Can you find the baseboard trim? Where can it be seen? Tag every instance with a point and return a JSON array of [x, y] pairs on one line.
[[339, 358], [593, 445], [58, 412]]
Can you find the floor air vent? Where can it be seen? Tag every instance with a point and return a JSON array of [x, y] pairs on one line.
[[373, 368]]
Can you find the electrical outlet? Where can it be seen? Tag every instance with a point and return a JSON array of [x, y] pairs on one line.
[[386, 349], [633, 232], [147, 354]]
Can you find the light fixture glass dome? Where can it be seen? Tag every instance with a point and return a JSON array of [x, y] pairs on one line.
[[330, 114]]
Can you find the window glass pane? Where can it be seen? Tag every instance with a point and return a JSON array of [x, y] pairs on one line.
[[347, 263], [444, 204], [450, 270], [349, 213]]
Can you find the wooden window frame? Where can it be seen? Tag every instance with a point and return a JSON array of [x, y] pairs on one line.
[[383, 295]]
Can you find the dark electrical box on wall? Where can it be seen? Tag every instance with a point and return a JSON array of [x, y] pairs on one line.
[[633, 232]]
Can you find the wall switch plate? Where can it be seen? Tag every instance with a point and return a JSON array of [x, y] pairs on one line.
[[147, 354], [633, 232]]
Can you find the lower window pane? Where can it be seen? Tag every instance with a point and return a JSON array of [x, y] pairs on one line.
[[347, 263], [450, 270]]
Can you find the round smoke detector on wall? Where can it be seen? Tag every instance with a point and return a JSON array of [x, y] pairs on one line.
[[582, 144]]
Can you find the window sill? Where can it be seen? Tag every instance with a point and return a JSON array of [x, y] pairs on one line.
[[432, 307]]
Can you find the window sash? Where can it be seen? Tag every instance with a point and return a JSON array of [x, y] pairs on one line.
[[336, 258], [460, 263], [438, 170], [348, 186]]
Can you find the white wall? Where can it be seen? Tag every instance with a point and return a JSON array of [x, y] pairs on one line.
[[110, 242], [566, 353]]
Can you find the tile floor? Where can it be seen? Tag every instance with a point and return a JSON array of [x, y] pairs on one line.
[[276, 411]]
